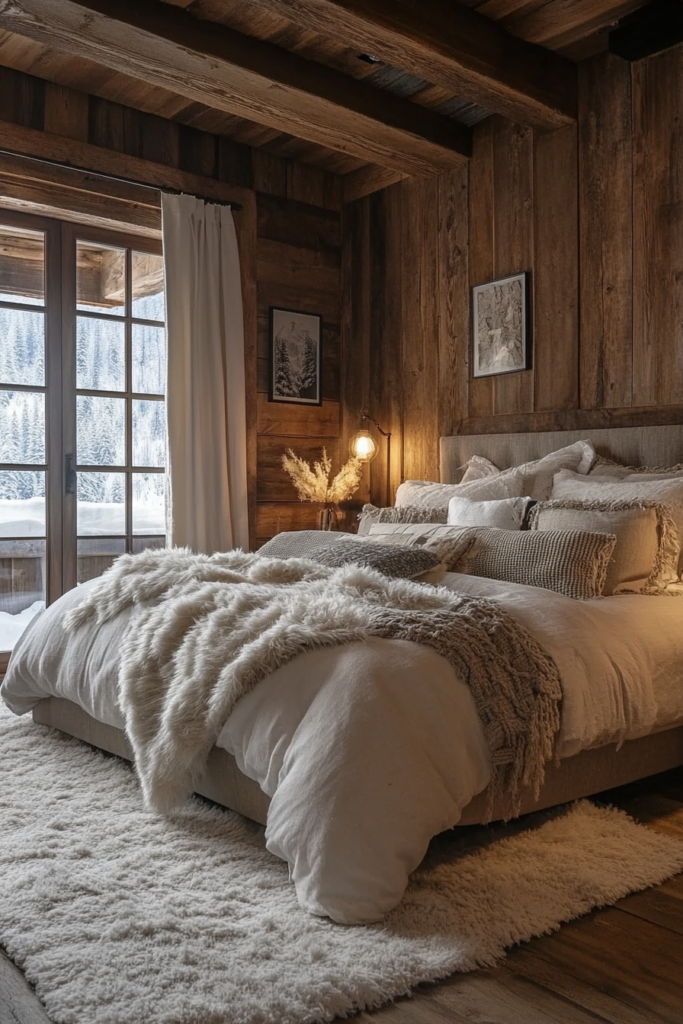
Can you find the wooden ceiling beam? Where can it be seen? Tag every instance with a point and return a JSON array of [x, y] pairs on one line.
[[450, 45], [207, 62]]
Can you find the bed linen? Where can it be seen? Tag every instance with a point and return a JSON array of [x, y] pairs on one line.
[[369, 750]]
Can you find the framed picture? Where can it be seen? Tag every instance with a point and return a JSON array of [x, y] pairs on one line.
[[295, 357], [500, 326]]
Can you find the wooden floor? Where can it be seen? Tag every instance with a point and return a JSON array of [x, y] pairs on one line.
[[623, 964]]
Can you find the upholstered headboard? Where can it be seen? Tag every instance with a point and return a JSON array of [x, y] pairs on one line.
[[632, 446]]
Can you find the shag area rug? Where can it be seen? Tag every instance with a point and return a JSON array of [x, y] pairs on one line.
[[119, 916]]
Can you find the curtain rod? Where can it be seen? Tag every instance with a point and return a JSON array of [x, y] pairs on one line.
[[126, 181]]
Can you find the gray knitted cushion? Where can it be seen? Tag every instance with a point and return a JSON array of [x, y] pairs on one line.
[[398, 562]]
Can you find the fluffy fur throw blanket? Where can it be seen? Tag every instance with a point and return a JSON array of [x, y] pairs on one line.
[[218, 624]]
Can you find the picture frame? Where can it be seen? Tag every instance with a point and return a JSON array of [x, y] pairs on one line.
[[295, 339], [500, 326]]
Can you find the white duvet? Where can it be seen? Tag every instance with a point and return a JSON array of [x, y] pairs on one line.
[[369, 750]]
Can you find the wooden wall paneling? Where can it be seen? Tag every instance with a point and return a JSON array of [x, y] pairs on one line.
[[658, 230], [513, 240], [356, 325], [114, 126], [605, 232], [454, 330], [66, 112], [556, 271], [22, 98], [270, 173], [289, 419], [296, 267], [481, 249], [235, 163], [417, 266], [275, 517]]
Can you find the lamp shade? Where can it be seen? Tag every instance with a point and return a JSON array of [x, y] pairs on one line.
[[363, 446]]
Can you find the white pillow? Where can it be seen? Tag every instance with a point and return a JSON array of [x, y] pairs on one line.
[[426, 492], [505, 513], [668, 490], [478, 468], [534, 479]]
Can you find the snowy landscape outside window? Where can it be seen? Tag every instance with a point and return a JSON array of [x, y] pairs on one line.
[[82, 443]]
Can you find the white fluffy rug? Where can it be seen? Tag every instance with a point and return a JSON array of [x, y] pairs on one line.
[[118, 916]]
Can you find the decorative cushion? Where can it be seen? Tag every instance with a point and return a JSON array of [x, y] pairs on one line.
[[534, 479], [426, 492], [448, 542], [645, 559], [399, 562], [571, 562], [300, 543], [667, 490], [401, 514], [506, 513], [607, 468], [478, 468]]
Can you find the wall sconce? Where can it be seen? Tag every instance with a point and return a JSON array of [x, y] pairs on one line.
[[364, 447]]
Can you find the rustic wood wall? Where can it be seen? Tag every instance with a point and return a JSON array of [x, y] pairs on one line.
[[594, 213], [295, 261]]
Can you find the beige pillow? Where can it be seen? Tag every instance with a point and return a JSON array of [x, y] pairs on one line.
[[505, 513], [448, 542], [572, 562], [667, 491], [607, 468], [645, 559], [402, 514]]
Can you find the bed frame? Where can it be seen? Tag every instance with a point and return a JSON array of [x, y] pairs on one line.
[[585, 774]]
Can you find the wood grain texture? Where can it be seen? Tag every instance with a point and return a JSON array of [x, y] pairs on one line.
[[555, 300], [606, 233], [229, 71], [658, 230], [447, 44]]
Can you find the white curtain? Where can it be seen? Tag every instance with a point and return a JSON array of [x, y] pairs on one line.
[[205, 397]]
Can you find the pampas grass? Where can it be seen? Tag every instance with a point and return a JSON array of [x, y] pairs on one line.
[[314, 484]]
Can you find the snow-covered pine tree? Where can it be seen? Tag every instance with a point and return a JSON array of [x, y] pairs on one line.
[[309, 371], [285, 385]]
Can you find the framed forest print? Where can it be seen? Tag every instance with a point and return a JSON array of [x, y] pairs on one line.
[[500, 326], [295, 357]]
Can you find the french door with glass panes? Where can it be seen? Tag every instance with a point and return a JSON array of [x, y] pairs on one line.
[[82, 411]]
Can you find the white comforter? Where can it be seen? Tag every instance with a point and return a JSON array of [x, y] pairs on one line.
[[371, 749]]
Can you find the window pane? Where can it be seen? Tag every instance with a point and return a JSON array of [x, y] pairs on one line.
[[22, 587], [94, 556], [22, 504], [142, 543], [149, 359], [148, 286], [149, 433], [22, 347], [22, 259], [22, 427], [100, 278], [100, 431], [101, 504], [100, 354], [149, 503]]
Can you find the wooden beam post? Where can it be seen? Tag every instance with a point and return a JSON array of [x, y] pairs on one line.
[[450, 45], [207, 62]]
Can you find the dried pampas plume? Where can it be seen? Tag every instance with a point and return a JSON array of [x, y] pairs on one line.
[[314, 484]]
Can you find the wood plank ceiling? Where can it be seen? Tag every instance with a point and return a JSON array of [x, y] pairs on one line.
[[293, 76]]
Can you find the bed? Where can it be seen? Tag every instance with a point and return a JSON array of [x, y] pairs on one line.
[[635, 731]]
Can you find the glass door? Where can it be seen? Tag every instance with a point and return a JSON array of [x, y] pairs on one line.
[[82, 408], [116, 427], [29, 312]]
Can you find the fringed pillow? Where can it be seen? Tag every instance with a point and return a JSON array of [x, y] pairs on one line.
[[645, 559], [401, 514], [572, 562]]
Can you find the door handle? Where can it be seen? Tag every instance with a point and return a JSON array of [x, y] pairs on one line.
[[69, 475]]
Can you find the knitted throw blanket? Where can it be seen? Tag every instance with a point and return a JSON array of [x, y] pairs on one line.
[[221, 623]]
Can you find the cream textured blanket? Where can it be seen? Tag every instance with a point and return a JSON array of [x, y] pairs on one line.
[[216, 625]]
